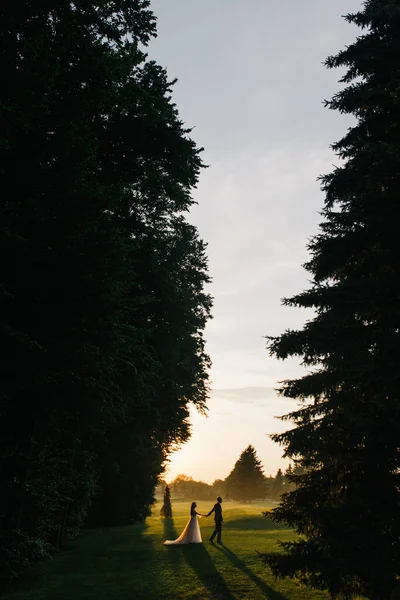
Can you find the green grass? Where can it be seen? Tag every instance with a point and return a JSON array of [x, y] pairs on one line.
[[131, 563]]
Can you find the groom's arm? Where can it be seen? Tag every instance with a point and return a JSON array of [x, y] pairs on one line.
[[211, 511]]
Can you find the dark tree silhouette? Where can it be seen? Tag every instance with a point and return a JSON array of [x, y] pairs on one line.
[[102, 293], [346, 503], [246, 481], [278, 485], [219, 488], [186, 487], [166, 509]]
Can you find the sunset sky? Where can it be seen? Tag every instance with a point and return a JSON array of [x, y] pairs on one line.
[[252, 84]]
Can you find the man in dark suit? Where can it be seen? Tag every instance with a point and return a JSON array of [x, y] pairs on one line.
[[217, 510]]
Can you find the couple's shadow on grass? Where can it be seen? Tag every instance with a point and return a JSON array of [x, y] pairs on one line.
[[239, 564], [198, 558]]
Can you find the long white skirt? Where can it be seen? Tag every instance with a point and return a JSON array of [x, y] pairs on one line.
[[190, 535]]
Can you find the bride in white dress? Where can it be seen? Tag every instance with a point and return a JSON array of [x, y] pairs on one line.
[[191, 534]]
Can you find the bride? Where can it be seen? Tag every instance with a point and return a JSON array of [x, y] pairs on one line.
[[191, 534]]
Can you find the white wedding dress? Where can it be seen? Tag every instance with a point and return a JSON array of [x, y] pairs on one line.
[[190, 535]]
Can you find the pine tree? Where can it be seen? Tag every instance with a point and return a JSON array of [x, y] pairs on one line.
[[346, 435], [166, 509], [291, 476], [278, 484], [246, 481]]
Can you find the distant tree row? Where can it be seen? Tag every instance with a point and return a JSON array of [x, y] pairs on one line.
[[284, 481], [245, 483], [102, 281], [186, 487]]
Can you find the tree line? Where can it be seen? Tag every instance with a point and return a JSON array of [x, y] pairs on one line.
[[245, 483], [102, 294]]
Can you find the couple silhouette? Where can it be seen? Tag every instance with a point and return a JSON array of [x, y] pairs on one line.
[[191, 534]]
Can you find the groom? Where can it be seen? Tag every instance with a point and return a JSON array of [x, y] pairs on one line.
[[218, 520]]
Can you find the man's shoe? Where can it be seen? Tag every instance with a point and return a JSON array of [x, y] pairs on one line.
[[211, 540]]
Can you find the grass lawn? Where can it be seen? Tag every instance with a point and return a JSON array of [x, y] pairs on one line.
[[131, 563]]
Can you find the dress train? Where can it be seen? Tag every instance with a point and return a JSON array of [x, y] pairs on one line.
[[190, 535]]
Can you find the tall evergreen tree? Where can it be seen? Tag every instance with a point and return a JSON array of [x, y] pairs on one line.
[[246, 481], [101, 296], [166, 509], [346, 504]]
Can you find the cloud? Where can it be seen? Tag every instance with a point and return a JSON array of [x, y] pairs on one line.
[[247, 395]]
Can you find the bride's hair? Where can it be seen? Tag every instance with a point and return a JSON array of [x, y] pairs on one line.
[[193, 507]]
